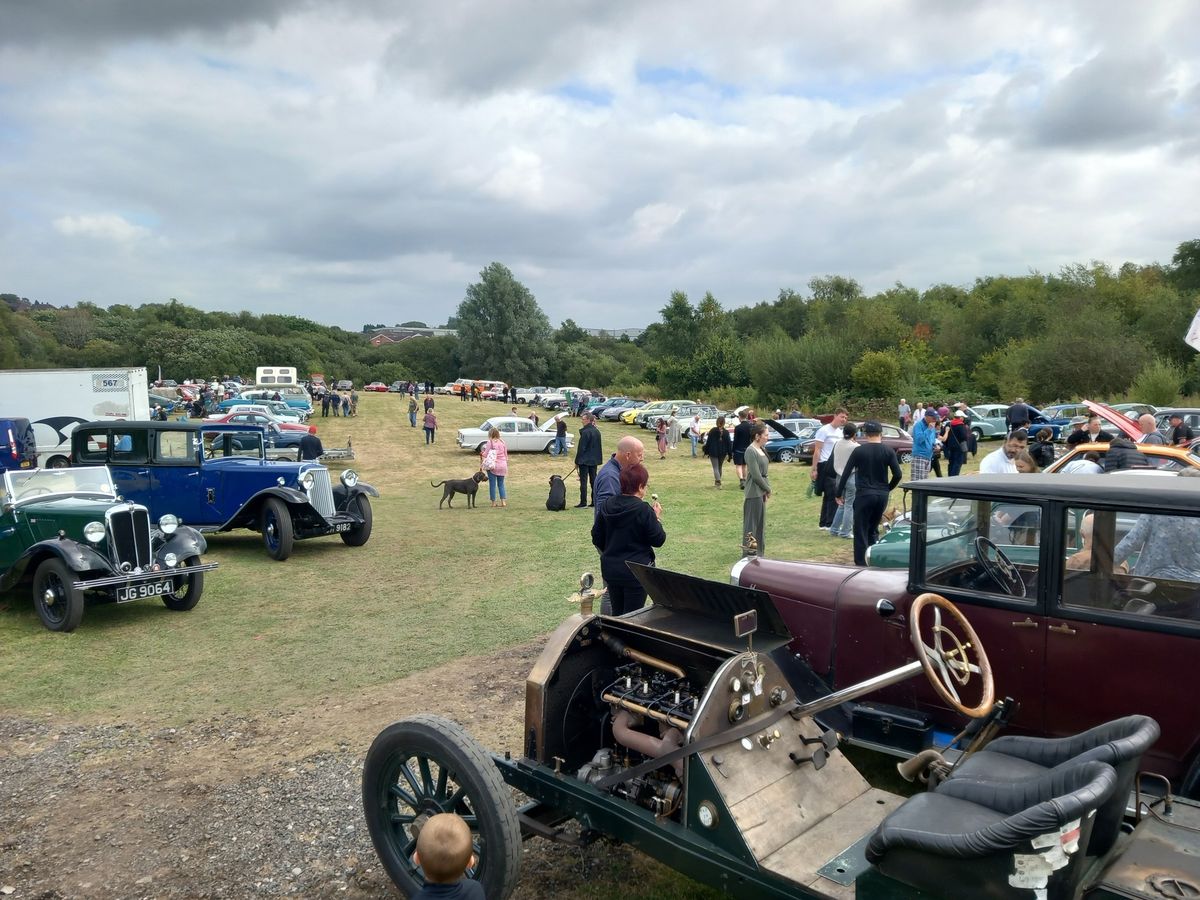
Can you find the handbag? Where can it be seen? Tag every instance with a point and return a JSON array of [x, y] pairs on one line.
[[489, 459]]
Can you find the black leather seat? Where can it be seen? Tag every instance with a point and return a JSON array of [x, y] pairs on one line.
[[1120, 743], [995, 839]]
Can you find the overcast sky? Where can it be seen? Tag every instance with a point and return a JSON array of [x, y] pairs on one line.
[[363, 161]]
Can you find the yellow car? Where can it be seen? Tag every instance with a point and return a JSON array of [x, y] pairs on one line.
[[627, 415]]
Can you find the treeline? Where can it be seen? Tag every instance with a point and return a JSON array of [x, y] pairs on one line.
[[1087, 331]]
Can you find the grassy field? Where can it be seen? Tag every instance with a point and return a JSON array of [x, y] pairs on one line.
[[429, 586]]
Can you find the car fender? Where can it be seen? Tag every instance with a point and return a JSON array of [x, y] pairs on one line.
[[75, 556], [342, 495], [184, 543], [248, 511]]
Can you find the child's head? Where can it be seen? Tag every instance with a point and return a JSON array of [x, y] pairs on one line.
[[444, 848]]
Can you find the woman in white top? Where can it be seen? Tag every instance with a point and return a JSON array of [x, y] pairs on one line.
[[843, 519]]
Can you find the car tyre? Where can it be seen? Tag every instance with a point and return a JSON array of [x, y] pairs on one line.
[[978, 432], [275, 523], [188, 588], [59, 604], [426, 765], [786, 455], [905, 458], [360, 534]]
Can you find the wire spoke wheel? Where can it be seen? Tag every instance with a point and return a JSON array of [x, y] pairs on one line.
[[426, 765]]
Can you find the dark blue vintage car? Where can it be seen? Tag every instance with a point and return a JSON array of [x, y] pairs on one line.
[[217, 478]]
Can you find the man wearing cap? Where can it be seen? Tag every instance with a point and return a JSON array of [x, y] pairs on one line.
[[1003, 461], [876, 471], [1093, 434], [1181, 434], [924, 434]]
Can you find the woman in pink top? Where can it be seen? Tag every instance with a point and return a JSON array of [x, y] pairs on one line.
[[430, 426], [493, 459]]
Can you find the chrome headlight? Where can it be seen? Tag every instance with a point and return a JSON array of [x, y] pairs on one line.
[[94, 532], [349, 478], [169, 560], [280, 481], [307, 479], [168, 523]]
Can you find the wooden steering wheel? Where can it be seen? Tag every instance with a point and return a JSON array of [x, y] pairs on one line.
[[947, 658]]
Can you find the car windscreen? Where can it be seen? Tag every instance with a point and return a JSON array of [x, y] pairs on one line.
[[31, 485], [960, 531]]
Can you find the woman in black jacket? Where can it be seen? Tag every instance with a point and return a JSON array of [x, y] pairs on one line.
[[956, 441], [1042, 449], [627, 529], [718, 447]]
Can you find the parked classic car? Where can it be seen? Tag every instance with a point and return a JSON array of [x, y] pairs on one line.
[[518, 434], [1008, 550], [218, 478], [279, 411], [376, 387], [242, 415], [785, 444], [1133, 410], [1160, 456], [66, 534], [987, 420], [648, 415], [686, 730]]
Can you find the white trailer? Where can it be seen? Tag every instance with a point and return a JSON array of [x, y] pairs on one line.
[[56, 400]]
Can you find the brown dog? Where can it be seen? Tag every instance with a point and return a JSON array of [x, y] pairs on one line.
[[468, 486]]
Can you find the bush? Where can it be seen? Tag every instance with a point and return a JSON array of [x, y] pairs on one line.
[[1159, 383]]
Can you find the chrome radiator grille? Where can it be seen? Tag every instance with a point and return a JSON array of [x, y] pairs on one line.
[[129, 531], [321, 494]]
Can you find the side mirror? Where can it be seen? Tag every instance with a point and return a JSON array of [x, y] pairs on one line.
[[886, 608]]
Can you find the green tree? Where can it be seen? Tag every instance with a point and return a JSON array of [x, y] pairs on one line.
[[1185, 266], [1160, 383], [502, 330], [876, 374]]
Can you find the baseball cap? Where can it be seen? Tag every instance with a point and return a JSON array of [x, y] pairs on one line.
[[1176, 415], [872, 427], [931, 413]]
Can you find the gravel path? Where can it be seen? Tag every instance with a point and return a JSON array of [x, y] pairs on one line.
[[236, 806]]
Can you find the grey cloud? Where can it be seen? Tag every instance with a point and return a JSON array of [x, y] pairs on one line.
[[90, 22]]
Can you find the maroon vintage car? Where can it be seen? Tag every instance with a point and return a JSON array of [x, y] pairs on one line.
[[1084, 589]]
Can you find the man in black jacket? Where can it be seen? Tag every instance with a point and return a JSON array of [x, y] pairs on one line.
[[1093, 434], [877, 472], [588, 455]]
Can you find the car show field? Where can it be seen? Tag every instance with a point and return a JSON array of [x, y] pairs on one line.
[[169, 733]]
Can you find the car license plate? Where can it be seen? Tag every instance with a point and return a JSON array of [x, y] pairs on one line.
[[343, 526], [139, 591]]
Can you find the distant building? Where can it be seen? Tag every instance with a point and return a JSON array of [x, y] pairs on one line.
[[631, 333], [384, 336]]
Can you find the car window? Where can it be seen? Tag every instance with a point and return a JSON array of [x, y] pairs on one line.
[[94, 448], [174, 446], [129, 446], [508, 427], [524, 425], [968, 544], [1144, 566]]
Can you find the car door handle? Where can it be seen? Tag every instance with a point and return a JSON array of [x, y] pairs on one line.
[[1028, 623], [1063, 629]]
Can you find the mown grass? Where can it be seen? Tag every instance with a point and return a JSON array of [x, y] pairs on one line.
[[429, 586]]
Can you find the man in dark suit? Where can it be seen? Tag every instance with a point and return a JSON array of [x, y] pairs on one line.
[[588, 455], [1093, 434]]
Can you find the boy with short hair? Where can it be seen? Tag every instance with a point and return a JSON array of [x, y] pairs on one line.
[[444, 854]]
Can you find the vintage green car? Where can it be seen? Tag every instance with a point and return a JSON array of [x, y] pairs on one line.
[[66, 534]]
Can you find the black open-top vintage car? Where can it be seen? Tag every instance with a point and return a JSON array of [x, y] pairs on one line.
[[689, 731]]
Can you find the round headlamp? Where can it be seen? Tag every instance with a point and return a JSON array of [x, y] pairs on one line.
[[169, 560], [94, 532], [307, 479], [349, 478], [168, 523]]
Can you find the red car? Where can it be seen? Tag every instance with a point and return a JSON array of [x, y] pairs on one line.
[[1085, 590], [377, 386], [260, 419]]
